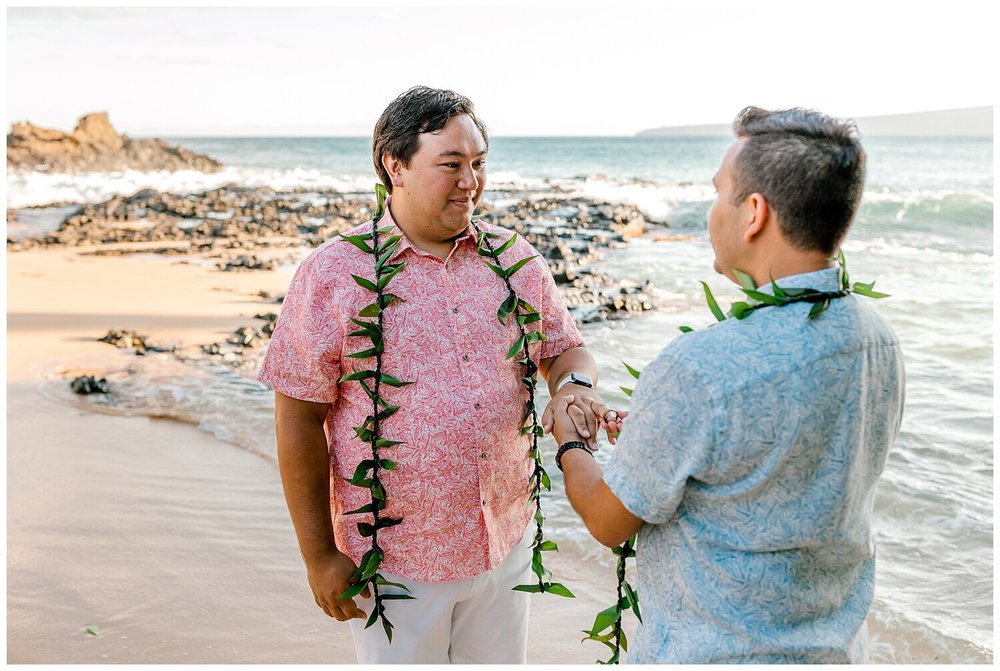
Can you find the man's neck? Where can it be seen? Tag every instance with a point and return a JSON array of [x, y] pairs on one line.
[[787, 266], [402, 219]]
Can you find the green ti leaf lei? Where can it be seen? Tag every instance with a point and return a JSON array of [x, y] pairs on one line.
[[786, 296], [610, 618], [525, 314], [367, 473], [607, 628]]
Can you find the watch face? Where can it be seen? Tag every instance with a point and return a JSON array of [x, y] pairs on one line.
[[581, 379]]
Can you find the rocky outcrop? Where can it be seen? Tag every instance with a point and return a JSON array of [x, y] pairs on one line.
[[94, 146], [229, 217]]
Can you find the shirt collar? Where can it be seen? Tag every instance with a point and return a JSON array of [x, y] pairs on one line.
[[827, 279], [405, 243]]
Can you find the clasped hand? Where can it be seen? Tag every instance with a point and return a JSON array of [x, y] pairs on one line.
[[579, 413]]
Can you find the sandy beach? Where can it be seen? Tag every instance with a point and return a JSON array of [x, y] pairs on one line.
[[176, 545]]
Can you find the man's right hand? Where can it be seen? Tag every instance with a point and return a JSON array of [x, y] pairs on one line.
[[329, 577]]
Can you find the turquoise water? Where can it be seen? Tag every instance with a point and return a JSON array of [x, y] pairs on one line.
[[901, 164], [662, 159], [924, 231]]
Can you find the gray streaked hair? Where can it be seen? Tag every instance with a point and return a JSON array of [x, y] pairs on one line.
[[809, 167]]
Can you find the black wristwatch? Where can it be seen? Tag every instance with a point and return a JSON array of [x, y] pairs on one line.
[[566, 447]]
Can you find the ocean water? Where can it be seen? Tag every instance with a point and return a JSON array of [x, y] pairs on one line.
[[924, 233]]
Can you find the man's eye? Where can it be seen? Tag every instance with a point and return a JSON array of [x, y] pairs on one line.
[[479, 165]]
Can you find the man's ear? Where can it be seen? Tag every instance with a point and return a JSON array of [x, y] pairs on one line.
[[758, 213], [394, 167]]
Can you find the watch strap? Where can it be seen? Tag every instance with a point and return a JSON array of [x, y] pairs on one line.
[[574, 378]]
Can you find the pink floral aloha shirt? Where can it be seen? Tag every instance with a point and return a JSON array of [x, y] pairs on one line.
[[462, 478]]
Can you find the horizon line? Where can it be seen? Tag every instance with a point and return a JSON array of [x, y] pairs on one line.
[[635, 136], [637, 133]]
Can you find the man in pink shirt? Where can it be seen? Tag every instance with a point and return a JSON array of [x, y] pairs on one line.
[[461, 472]]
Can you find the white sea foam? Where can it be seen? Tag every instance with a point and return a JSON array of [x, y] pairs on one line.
[[893, 248], [657, 201], [39, 188], [507, 180], [924, 196]]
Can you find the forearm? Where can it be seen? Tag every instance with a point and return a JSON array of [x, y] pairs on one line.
[[304, 465], [574, 360], [604, 515]]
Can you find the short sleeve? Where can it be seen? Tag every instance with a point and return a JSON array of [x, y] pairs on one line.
[[560, 330], [303, 357], [667, 438]]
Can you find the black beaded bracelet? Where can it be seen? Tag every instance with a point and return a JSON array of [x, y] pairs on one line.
[[571, 445]]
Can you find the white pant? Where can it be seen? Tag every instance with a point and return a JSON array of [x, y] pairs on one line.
[[479, 620]]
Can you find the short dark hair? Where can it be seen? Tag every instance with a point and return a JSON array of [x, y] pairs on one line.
[[808, 166], [418, 110]]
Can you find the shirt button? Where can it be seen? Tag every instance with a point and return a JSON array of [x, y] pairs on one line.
[[455, 310], [465, 357], [484, 502], [478, 406], [483, 455]]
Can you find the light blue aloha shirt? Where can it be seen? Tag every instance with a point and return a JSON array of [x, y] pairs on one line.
[[752, 452]]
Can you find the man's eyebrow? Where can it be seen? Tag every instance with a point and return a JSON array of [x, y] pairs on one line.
[[458, 154]]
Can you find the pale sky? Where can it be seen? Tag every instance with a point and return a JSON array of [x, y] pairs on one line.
[[530, 70]]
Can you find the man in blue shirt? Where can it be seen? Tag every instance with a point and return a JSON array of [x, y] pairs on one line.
[[749, 461]]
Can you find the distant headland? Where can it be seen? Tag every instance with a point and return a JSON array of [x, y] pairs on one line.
[[962, 122]]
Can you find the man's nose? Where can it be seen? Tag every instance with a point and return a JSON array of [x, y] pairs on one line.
[[467, 179]]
